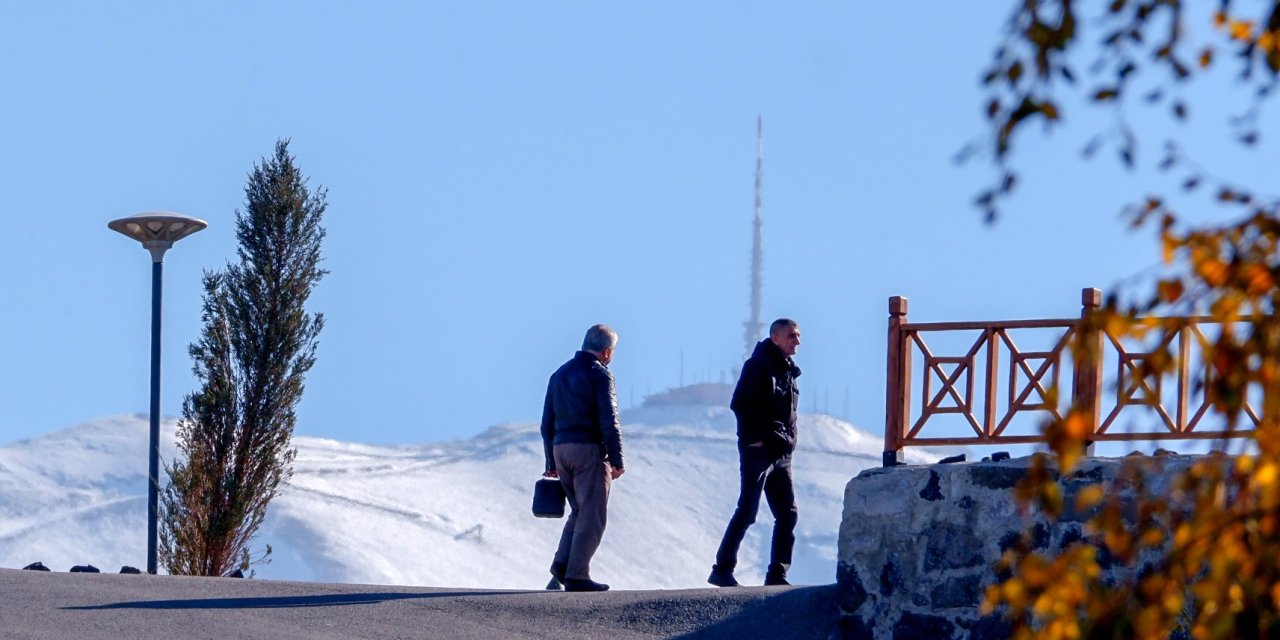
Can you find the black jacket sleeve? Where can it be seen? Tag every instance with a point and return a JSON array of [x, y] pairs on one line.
[[607, 410], [750, 402], [549, 426]]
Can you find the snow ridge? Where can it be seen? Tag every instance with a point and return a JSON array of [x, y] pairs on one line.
[[452, 514]]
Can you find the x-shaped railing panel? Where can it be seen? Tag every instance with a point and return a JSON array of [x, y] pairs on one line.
[[952, 382]]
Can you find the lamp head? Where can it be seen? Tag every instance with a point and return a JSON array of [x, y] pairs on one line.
[[157, 230]]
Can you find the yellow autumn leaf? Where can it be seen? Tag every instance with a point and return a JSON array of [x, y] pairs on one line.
[[1241, 29], [1266, 475], [1244, 464], [1088, 497], [1213, 272], [1116, 325], [1182, 536], [1259, 280], [1076, 426], [1237, 598], [1152, 537]]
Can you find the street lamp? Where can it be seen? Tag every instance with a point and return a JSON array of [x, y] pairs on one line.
[[157, 231]]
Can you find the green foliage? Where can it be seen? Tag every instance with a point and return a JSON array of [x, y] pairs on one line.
[[258, 342]]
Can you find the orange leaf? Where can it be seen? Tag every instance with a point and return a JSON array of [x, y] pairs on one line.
[[1213, 272], [1241, 29], [1170, 290]]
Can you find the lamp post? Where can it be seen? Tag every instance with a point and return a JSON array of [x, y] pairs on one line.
[[157, 231]]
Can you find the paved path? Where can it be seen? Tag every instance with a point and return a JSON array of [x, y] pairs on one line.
[[48, 606]]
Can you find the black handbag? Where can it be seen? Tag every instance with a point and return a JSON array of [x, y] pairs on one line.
[[548, 498]]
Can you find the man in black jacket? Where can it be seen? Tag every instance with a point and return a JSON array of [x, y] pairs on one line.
[[583, 448], [764, 403]]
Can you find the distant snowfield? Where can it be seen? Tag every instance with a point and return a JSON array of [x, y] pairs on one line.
[[452, 514]]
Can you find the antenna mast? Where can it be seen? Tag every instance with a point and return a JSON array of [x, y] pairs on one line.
[[753, 327]]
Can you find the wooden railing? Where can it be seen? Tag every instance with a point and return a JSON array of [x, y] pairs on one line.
[[994, 390]]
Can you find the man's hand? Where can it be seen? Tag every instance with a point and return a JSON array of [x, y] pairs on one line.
[[550, 474], [617, 472]]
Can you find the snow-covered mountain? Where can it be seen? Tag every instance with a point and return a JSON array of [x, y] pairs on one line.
[[452, 514]]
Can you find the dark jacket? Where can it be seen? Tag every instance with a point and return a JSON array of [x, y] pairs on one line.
[[581, 406], [766, 398]]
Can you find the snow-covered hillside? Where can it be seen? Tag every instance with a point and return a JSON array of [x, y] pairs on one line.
[[450, 514]]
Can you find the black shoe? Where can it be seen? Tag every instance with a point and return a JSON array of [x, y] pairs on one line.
[[573, 584], [776, 577], [721, 578], [557, 577]]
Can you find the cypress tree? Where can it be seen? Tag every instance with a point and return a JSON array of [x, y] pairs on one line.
[[256, 346]]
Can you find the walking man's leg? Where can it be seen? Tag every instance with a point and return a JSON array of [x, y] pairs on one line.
[[780, 494], [752, 466], [560, 562], [591, 486], [586, 479]]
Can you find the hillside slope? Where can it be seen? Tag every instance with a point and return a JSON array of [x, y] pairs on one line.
[[452, 514]]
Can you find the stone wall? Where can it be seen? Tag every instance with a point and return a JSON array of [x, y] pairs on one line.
[[918, 545]]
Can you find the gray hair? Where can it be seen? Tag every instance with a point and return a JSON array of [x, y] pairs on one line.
[[599, 338], [780, 324]]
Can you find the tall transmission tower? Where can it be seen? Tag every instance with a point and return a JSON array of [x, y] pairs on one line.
[[753, 328]]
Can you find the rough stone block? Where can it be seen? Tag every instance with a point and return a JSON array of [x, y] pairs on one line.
[[951, 546], [852, 593], [962, 591], [932, 491], [921, 563], [890, 577], [855, 628], [992, 627], [915, 626], [993, 476]]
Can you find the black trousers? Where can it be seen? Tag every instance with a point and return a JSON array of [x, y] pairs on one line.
[[762, 473]]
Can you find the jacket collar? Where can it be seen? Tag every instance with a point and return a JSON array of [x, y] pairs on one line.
[[767, 349], [587, 356]]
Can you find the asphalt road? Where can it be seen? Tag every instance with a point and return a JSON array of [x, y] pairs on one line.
[[39, 606]]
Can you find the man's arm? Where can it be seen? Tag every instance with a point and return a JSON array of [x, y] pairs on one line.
[[749, 402], [607, 410], [549, 430]]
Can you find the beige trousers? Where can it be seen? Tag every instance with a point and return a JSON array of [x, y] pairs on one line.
[[585, 475]]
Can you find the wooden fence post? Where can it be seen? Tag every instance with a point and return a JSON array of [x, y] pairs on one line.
[[897, 385], [1086, 387]]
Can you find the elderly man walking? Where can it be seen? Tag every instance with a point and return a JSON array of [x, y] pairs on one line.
[[583, 448], [764, 402]]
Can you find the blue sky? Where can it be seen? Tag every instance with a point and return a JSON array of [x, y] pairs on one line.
[[503, 175]]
